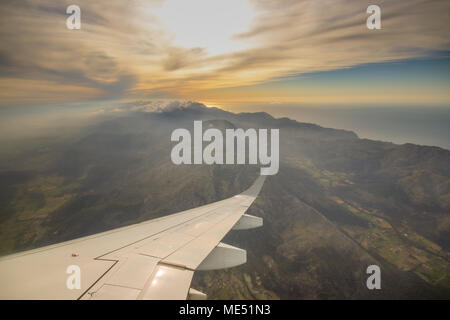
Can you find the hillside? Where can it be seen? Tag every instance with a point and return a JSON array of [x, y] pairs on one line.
[[337, 205]]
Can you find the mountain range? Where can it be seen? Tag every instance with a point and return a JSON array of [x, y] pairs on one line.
[[337, 205]]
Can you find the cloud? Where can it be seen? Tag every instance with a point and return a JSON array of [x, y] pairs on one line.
[[124, 49], [38, 47]]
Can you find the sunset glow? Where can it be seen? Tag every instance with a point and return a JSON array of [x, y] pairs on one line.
[[222, 51]]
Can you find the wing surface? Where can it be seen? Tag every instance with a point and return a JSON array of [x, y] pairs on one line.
[[155, 259]]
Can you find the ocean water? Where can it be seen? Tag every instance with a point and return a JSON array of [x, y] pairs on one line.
[[419, 125]]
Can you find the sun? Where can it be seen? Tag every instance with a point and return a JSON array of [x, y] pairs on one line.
[[211, 105], [208, 24]]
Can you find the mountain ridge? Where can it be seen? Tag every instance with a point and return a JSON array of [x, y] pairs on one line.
[[337, 205]]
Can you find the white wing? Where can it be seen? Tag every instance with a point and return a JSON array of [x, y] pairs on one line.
[[155, 259]]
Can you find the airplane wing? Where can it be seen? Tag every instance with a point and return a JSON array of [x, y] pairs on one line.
[[155, 259]]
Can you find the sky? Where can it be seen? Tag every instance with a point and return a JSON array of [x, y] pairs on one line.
[[226, 53]]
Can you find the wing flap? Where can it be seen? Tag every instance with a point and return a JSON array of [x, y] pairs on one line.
[[133, 271], [168, 283]]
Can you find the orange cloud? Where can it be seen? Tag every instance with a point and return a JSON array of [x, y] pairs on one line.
[[125, 50]]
